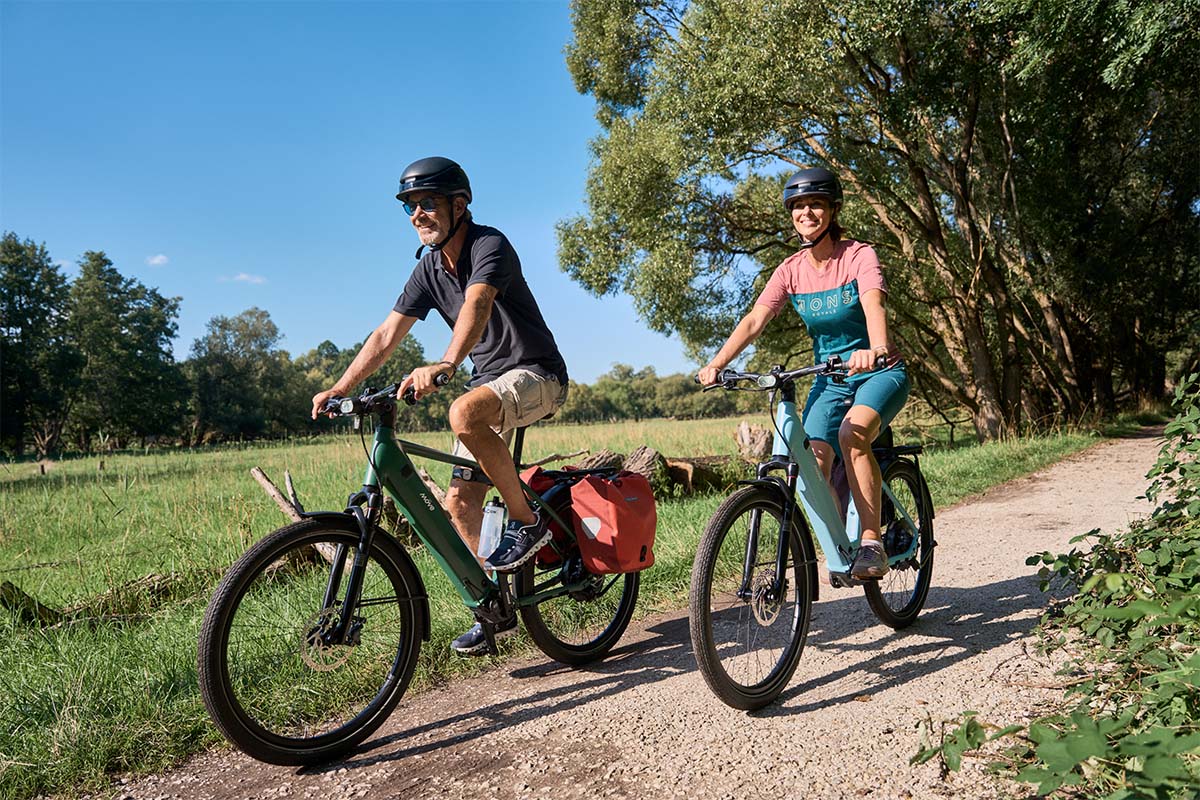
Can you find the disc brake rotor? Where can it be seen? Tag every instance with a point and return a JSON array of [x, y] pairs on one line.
[[766, 609], [315, 650]]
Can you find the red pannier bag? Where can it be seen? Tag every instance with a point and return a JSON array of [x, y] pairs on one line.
[[540, 482], [614, 521]]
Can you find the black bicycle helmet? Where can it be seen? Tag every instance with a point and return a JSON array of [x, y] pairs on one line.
[[434, 174], [814, 181], [441, 176]]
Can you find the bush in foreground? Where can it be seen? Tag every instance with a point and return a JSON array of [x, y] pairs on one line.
[[1129, 726]]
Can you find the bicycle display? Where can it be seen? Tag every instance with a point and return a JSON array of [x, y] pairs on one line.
[[754, 578], [312, 636]]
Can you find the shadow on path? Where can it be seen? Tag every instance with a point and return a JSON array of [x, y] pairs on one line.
[[958, 624]]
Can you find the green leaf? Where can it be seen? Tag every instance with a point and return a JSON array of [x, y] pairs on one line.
[[1163, 767]]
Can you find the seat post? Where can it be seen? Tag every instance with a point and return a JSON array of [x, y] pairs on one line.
[[518, 446]]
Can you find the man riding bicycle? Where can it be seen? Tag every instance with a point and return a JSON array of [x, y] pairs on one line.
[[472, 277]]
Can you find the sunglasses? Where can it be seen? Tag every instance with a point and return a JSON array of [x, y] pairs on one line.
[[426, 204]]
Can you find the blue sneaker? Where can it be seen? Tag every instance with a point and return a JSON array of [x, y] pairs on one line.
[[474, 643], [519, 543]]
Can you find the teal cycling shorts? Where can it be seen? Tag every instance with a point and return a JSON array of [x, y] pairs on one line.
[[884, 391]]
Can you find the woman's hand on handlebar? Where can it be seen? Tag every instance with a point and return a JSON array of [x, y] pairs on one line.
[[867, 360], [425, 381]]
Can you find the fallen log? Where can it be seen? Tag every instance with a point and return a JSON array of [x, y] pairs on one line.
[[603, 460], [694, 475], [326, 550], [28, 609], [555, 457]]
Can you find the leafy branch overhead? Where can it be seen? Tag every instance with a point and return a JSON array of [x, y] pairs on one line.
[[1009, 160]]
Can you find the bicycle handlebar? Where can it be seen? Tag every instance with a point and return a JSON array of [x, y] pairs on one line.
[[369, 400], [728, 378]]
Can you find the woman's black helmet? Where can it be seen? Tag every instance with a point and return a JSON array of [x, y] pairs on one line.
[[814, 181], [434, 174]]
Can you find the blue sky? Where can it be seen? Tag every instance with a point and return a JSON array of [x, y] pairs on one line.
[[241, 154]]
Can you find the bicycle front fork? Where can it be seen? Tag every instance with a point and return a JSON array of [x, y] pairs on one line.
[[345, 632], [779, 585]]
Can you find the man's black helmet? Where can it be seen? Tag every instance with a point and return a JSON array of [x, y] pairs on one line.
[[434, 174], [814, 181]]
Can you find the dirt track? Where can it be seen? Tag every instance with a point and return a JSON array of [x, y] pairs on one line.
[[643, 723]]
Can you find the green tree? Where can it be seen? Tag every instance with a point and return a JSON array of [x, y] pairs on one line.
[[1009, 161], [129, 383], [237, 372], [38, 366], [325, 363]]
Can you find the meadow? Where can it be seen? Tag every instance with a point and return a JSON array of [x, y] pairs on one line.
[[142, 538]]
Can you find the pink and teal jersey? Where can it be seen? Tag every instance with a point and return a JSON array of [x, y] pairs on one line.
[[828, 301]]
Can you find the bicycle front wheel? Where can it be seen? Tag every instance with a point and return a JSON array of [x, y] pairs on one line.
[[277, 681], [898, 597], [748, 628], [583, 626]]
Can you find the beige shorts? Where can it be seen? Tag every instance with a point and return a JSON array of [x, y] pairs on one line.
[[525, 397]]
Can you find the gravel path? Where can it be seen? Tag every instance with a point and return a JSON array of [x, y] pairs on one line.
[[643, 723]]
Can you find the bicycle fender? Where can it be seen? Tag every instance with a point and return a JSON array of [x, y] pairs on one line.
[[780, 487], [341, 517], [915, 462]]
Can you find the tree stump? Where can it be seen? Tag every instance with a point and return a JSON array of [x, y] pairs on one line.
[[753, 442]]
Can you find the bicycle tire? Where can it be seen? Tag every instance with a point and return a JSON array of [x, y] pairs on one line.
[[271, 686], [898, 597], [731, 636], [578, 631]]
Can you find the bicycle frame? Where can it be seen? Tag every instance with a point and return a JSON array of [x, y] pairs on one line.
[[390, 468], [838, 540]]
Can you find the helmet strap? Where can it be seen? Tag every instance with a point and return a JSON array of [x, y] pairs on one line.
[[806, 245]]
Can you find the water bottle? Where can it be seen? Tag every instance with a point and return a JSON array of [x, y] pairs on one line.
[[493, 524]]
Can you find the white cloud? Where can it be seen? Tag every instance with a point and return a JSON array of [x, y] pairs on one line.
[[157, 261], [246, 277]]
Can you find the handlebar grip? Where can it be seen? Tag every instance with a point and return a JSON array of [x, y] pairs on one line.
[[410, 395]]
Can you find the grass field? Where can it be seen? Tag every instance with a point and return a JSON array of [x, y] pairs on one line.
[[82, 701]]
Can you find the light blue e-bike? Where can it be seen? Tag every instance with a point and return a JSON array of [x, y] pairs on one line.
[[754, 578]]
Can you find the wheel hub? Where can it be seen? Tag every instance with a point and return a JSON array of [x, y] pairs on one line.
[[316, 647], [764, 602]]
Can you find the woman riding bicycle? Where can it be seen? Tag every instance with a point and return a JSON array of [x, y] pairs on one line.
[[837, 287]]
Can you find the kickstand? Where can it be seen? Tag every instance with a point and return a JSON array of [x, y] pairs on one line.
[[489, 633]]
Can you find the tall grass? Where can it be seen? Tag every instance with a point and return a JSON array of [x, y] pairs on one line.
[[81, 701]]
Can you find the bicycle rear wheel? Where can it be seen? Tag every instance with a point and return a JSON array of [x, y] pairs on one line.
[[748, 642], [583, 626], [898, 597], [271, 679]]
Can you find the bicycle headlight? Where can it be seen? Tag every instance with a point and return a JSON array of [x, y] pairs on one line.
[[767, 381], [347, 405]]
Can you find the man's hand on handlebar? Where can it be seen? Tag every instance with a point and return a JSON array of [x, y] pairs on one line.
[[320, 399], [424, 380], [709, 375]]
